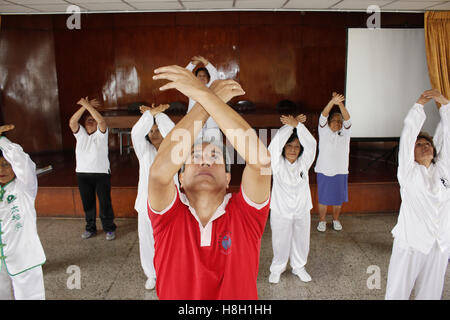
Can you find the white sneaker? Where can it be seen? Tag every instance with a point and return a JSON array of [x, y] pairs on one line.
[[337, 225], [302, 274], [150, 283], [274, 277], [322, 226]]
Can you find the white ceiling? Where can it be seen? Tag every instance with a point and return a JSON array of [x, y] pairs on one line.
[[60, 6]]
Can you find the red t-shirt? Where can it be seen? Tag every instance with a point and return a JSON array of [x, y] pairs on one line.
[[226, 269]]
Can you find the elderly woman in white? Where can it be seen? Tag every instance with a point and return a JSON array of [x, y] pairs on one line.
[[422, 235], [292, 150]]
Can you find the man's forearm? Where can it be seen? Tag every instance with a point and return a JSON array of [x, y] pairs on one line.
[[237, 130], [181, 138]]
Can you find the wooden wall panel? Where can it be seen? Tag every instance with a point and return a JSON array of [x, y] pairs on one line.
[[55, 201], [138, 51], [220, 45], [269, 63], [85, 64], [28, 83], [275, 55]]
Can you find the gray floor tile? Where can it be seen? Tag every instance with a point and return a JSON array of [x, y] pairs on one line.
[[338, 261]]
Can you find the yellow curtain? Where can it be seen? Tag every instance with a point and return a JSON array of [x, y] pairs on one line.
[[437, 42]]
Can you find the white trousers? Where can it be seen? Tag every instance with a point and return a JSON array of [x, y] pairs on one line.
[[408, 267], [28, 285], [290, 240], [146, 244]]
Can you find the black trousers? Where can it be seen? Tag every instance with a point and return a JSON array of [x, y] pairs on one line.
[[90, 184]]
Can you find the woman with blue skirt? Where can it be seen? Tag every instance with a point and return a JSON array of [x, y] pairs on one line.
[[332, 161]]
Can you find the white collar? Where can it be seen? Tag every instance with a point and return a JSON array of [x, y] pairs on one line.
[[219, 211]]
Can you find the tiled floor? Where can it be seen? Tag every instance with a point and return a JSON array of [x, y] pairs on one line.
[[338, 261]]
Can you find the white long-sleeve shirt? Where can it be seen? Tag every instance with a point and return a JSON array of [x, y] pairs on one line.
[[146, 152], [214, 75], [334, 148], [291, 196], [424, 216], [20, 246]]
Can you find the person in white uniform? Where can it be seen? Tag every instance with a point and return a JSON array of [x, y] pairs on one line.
[[292, 150], [92, 167], [332, 161], [21, 252], [421, 245], [147, 135], [207, 74]]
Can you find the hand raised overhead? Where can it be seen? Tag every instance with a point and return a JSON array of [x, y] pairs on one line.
[[337, 98], [289, 120], [182, 80], [160, 108], [154, 110], [6, 127], [227, 89], [199, 59], [144, 108], [301, 118], [86, 102], [423, 100], [435, 95], [94, 103]]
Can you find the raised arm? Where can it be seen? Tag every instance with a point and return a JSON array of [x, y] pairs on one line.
[[257, 172], [165, 124], [191, 65], [339, 101], [143, 126], [74, 120], [412, 125], [172, 153], [90, 106], [140, 130], [336, 99], [307, 140], [195, 60], [442, 135], [276, 145], [24, 168], [213, 73]]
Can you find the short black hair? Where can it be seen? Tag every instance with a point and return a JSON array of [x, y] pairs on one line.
[[291, 138], [203, 69]]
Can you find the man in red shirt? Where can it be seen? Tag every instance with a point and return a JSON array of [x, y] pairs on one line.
[[207, 242]]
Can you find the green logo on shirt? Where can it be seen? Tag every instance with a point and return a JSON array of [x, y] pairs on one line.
[[11, 198]]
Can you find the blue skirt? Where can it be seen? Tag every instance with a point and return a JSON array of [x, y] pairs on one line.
[[332, 191]]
